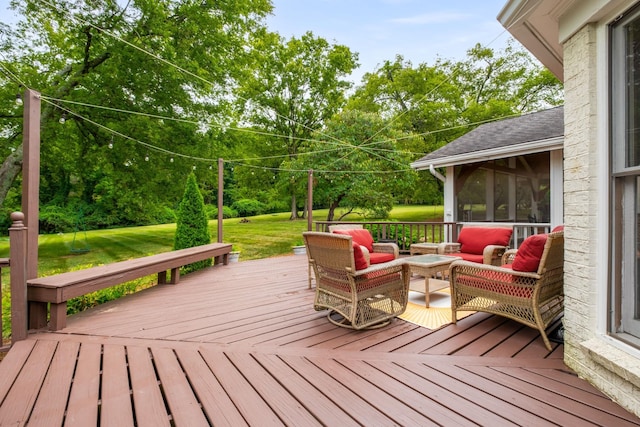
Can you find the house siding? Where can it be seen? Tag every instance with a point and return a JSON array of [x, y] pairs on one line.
[[588, 352]]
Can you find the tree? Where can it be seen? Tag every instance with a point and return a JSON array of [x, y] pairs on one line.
[[356, 164], [175, 59], [440, 103], [292, 89], [192, 228]]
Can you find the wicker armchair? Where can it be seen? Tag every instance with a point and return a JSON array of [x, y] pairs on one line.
[[386, 249], [484, 245], [534, 299], [356, 298]]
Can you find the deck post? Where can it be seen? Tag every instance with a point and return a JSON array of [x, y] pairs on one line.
[[31, 177], [310, 200], [18, 277]]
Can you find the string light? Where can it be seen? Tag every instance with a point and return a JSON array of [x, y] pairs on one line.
[[223, 128], [18, 99], [63, 118]]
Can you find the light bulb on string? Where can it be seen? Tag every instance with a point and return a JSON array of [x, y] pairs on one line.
[[18, 99], [171, 160], [63, 118], [146, 158]]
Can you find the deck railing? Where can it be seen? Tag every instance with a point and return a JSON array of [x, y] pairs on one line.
[[4, 263], [406, 233], [403, 233]]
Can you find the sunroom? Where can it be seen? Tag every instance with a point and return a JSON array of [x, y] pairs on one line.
[[507, 171]]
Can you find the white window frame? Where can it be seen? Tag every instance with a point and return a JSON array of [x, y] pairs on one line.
[[624, 322]]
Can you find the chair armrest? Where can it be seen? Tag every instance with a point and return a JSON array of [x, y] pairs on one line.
[[508, 256], [492, 254], [448, 248], [462, 267], [365, 254], [389, 248]]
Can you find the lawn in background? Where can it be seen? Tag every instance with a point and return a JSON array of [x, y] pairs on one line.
[[256, 237]]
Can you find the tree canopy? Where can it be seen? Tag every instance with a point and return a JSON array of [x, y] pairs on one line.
[[152, 91]]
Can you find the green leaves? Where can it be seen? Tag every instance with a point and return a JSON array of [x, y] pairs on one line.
[[192, 226]]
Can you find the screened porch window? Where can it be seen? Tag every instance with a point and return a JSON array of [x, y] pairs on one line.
[[515, 189]]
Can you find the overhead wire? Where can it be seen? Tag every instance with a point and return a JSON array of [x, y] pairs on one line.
[[167, 62], [367, 147]]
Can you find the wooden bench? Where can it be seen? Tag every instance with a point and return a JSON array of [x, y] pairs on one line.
[[58, 289]]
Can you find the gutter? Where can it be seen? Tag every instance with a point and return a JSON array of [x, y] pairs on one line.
[[437, 174]]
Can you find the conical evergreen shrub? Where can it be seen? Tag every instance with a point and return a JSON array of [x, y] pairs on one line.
[[192, 227]]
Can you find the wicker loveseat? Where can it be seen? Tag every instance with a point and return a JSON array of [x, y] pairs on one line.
[[528, 289], [357, 296]]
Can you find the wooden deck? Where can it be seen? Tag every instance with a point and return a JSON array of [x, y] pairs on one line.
[[241, 345]]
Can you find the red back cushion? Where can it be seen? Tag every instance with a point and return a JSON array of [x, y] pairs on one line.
[[358, 256], [558, 228], [474, 239], [359, 235], [529, 253]]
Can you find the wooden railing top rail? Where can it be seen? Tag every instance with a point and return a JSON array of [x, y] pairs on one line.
[[404, 233]]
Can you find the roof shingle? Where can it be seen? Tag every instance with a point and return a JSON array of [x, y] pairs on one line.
[[538, 126]]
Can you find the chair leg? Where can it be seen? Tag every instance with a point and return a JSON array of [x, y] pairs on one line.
[[345, 323]]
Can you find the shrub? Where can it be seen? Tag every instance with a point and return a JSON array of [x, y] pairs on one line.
[[192, 228], [164, 215], [227, 212], [56, 219], [249, 207]]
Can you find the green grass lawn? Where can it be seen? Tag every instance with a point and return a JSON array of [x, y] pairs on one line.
[[260, 236], [256, 237]]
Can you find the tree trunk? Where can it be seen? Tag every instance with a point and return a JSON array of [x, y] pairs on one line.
[[9, 170], [294, 208]]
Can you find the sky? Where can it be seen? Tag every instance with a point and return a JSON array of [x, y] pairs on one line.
[[419, 30], [378, 30]]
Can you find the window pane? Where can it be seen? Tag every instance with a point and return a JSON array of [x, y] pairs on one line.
[[629, 297], [472, 203], [635, 289], [501, 197], [633, 93]]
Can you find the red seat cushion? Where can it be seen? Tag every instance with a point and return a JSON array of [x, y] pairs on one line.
[[469, 257], [358, 256], [380, 257], [473, 240], [500, 282], [359, 235], [529, 253]]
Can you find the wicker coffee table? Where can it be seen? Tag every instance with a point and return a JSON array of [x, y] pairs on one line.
[[428, 266]]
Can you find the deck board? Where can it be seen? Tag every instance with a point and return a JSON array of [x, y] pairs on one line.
[[56, 385], [241, 345], [147, 398], [82, 407]]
